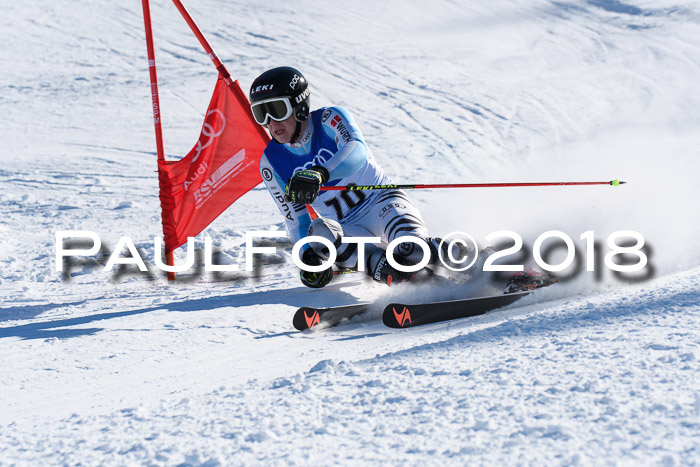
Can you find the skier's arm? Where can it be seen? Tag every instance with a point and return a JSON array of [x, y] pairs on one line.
[[295, 215], [352, 151]]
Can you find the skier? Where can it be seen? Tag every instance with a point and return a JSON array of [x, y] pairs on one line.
[[325, 147]]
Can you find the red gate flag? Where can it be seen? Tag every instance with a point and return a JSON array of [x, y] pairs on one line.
[[220, 168]]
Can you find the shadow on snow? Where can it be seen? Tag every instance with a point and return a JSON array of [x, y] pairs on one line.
[[65, 328]]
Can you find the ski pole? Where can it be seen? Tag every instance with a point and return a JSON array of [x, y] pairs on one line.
[[461, 185], [160, 151], [312, 212], [204, 42]]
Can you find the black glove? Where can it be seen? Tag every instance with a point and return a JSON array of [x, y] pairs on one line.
[[315, 280], [304, 185]]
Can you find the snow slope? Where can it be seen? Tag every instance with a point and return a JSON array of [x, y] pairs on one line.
[[120, 368]]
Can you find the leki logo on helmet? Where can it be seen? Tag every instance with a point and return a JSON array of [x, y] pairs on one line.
[[312, 320], [264, 87], [402, 317]]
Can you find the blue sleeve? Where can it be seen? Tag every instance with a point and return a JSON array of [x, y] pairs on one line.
[[352, 150]]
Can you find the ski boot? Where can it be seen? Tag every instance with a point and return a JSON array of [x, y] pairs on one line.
[[528, 280], [387, 274], [381, 271]]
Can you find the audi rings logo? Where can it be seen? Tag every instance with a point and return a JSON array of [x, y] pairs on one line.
[[319, 159], [267, 174], [389, 207], [209, 131]]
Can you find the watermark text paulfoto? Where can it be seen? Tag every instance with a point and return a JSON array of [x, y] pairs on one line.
[[627, 252]]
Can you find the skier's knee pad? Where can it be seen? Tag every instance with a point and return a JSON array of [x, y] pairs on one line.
[[328, 229]]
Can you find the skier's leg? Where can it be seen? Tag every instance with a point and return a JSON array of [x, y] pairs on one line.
[[347, 254], [394, 216]]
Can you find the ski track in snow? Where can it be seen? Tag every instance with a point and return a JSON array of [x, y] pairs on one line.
[[103, 368]]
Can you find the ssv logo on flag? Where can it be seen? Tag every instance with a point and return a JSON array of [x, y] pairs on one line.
[[226, 172]]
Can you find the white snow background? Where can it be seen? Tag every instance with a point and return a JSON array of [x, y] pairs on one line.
[[121, 369]]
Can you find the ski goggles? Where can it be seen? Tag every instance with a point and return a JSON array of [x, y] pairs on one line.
[[276, 108]]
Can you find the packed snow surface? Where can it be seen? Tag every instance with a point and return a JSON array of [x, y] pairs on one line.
[[122, 367]]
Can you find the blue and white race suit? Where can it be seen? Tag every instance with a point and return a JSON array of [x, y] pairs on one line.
[[333, 140]]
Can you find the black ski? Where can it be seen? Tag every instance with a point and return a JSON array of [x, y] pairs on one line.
[[308, 317], [401, 315]]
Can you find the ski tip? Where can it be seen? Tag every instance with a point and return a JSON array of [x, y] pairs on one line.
[[617, 182], [306, 318], [397, 316]]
